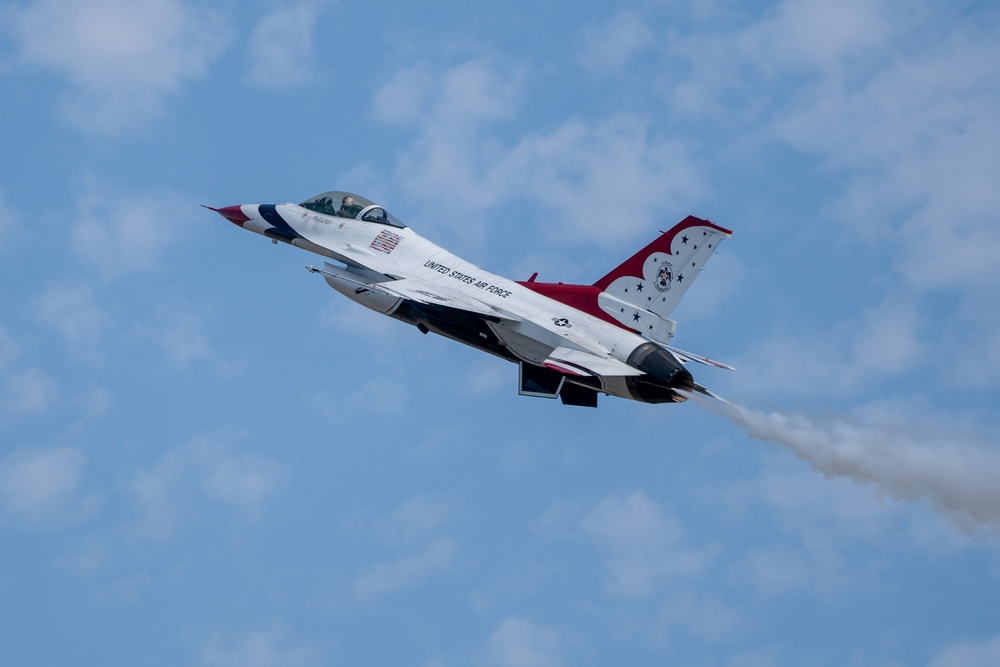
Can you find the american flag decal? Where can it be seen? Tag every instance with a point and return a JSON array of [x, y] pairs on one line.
[[386, 241]]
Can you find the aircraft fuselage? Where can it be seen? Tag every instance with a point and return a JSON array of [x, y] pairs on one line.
[[583, 338]]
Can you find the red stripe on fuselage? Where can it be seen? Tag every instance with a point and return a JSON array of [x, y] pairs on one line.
[[581, 297]]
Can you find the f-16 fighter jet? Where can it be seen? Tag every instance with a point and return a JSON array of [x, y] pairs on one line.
[[573, 342]]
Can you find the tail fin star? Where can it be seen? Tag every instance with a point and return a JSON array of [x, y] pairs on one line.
[[656, 277]]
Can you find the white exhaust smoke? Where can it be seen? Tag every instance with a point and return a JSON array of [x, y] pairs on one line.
[[961, 480]]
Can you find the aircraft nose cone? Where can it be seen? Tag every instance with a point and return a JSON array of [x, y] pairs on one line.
[[233, 214]]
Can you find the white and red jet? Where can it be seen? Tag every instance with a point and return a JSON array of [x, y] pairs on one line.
[[569, 341]]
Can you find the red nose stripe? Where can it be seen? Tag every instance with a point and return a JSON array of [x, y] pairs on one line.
[[234, 214]]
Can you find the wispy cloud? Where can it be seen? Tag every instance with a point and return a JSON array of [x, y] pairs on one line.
[[883, 341], [522, 642], [178, 329], [24, 392], [608, 47], [206, 468], [268, 646], [569, 175], [405, 571], [9, 221], [41, 486], [892, 104], [415, 527], [72, 311], [118, 233], [643, 546], [906, 461], [281, 45], [411, 520], [969, 653], [120, 58]]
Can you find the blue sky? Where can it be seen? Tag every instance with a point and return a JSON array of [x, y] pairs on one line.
[[208, 457]]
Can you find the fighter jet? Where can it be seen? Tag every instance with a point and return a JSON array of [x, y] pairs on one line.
[[571, 342]]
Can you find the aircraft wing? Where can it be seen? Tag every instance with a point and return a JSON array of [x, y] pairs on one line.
[[577, 362], [440, 296], [414, 290]]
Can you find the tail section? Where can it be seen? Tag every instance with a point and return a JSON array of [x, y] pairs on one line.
[[640, 294], [656, 277]]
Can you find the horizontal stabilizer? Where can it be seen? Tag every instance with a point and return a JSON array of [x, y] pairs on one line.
[[685, 357], [637, 318], [577, 362]]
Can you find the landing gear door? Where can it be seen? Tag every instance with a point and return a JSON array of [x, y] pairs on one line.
[[539, 381]]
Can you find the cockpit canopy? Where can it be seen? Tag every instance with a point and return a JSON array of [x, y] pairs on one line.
[[348, 205]]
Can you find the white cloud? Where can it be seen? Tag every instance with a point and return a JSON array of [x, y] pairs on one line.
[[819, 523], [125, 590], [908, 461], [417, 517], [347, 317], [381, 395], [706, 618], [971, 342], [582, 174], [522, 642], [916, 130], [265, 647], [178, 329], [450, 155], [73, 312], [415, 525], [118, 234], [85, 558], [10, 349], [642, 545], [776, 570], [576, 176], [94, 402], [884, 341], [120, 57], [26, 392], [176, 488], [9, 221], [405, 571], [757, 657], [609, 46], [897, 99], [281, 46], [403, 98], [716, 287], [812, 33], [242, 480], [969, 653], [40, 486]]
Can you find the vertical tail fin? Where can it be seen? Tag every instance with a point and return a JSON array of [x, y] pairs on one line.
[[656, 277]]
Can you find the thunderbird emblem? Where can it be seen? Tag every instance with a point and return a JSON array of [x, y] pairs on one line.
[[664, 276]]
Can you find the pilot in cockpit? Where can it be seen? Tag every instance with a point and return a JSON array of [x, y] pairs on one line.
[[324, 205], [348, 209]]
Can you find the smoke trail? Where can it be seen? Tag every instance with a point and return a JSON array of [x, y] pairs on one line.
[[961, 480]]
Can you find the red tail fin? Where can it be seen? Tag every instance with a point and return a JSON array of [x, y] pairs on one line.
[[656, 277], [640, 294], [633, 266]]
